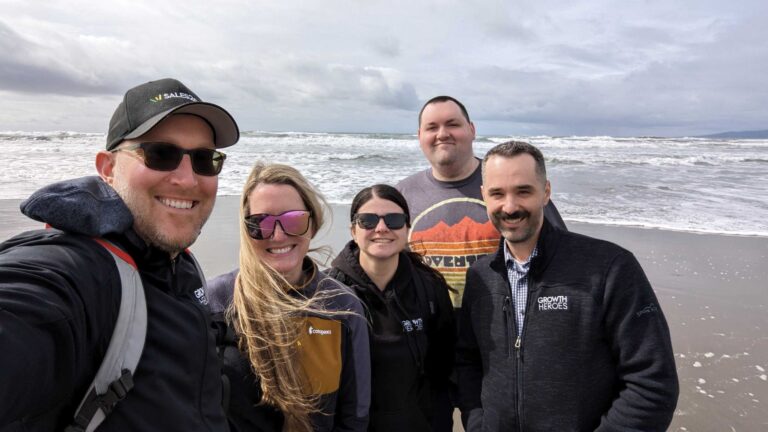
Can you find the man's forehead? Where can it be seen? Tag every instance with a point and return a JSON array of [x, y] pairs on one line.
[[504, 168], [517, 161]]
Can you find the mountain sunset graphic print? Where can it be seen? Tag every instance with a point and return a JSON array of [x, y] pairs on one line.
[[452, 248]]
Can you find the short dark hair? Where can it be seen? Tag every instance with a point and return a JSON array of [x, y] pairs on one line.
[[513, 148], [383, 191], [438, 99]]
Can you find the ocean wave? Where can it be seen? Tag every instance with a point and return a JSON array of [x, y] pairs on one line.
[[44, 136], [389, 136], [564, 161], [634, 160], [361, 157], [267, 134], [699, 185], [668, 226]]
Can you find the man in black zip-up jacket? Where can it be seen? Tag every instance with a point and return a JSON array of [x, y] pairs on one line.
[[558, 331], [60, 289]]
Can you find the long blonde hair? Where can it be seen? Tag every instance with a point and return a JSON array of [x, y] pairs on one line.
[[266, 316]]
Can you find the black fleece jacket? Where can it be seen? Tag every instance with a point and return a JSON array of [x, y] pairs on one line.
[[412, 335], [59, 299], [595, 351]]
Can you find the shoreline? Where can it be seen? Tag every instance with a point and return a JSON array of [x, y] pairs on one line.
[[712, 288]]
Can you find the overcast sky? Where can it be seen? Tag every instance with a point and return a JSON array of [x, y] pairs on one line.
[[538, 67]]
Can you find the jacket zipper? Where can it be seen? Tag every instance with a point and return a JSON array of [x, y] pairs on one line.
[[519, 361], [519, 381], [507, 324], [174, 283], [511, 330]]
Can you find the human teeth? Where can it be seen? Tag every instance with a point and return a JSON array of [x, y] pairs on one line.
[[179, 204], [280, 250]]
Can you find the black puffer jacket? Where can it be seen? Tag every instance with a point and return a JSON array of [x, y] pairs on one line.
[[59, 298], [412, 334]]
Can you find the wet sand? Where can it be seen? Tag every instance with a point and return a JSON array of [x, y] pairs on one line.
[[713, 290]]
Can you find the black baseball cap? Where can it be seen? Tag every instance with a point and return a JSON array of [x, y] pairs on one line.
[[146, 105]]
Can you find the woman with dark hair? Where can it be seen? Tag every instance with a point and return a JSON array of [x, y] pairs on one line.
[[412, 329]]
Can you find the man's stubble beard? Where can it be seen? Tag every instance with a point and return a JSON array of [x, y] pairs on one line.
[[522, 235], [150, 232]]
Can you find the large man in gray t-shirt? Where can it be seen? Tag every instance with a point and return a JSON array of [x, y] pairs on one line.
[[449, 224]]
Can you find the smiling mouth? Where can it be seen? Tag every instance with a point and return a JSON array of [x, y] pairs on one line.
[[514, 218], [280, 250], [177, 203]]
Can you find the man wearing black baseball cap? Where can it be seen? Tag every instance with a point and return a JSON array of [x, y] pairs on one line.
[[60, 290]]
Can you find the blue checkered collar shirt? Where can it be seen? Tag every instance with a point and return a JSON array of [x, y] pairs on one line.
[[517, 273]]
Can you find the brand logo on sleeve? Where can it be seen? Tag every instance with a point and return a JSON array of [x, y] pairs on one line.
[[201, 297], [553, 303], [651, 308], [318, 331]]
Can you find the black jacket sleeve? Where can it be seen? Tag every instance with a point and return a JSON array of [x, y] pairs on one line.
[[354, 396], [442, 336], [440, 355], [50, 346], [469, 370], [640, 341]]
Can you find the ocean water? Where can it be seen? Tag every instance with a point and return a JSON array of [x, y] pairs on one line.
[[686, 184]]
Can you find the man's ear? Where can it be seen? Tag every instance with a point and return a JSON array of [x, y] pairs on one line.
[[547, 192], [105, 166]]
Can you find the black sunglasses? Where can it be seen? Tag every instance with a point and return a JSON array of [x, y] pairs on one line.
[[161, 156], [369, 221], [262, 226]]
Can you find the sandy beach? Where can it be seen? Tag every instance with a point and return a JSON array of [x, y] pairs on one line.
[[712, 289]]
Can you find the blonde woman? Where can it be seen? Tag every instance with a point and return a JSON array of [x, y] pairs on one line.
[[303, 362]]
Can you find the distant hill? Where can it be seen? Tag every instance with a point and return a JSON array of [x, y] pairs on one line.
[[760, 134]]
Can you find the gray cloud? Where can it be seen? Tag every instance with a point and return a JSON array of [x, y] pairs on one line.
[[388, 47], [538, 67], [27, 67]]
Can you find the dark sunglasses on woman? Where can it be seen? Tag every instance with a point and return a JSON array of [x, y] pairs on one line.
[[262, 226], [161, 156], [369, 221]]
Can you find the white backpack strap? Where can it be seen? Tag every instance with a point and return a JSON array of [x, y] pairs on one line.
[[115, 376]]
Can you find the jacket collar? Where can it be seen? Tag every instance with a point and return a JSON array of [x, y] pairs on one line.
[[549, 237], [348, 264], [89, 206]]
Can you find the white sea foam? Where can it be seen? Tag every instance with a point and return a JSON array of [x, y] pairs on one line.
[[693, 185]]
